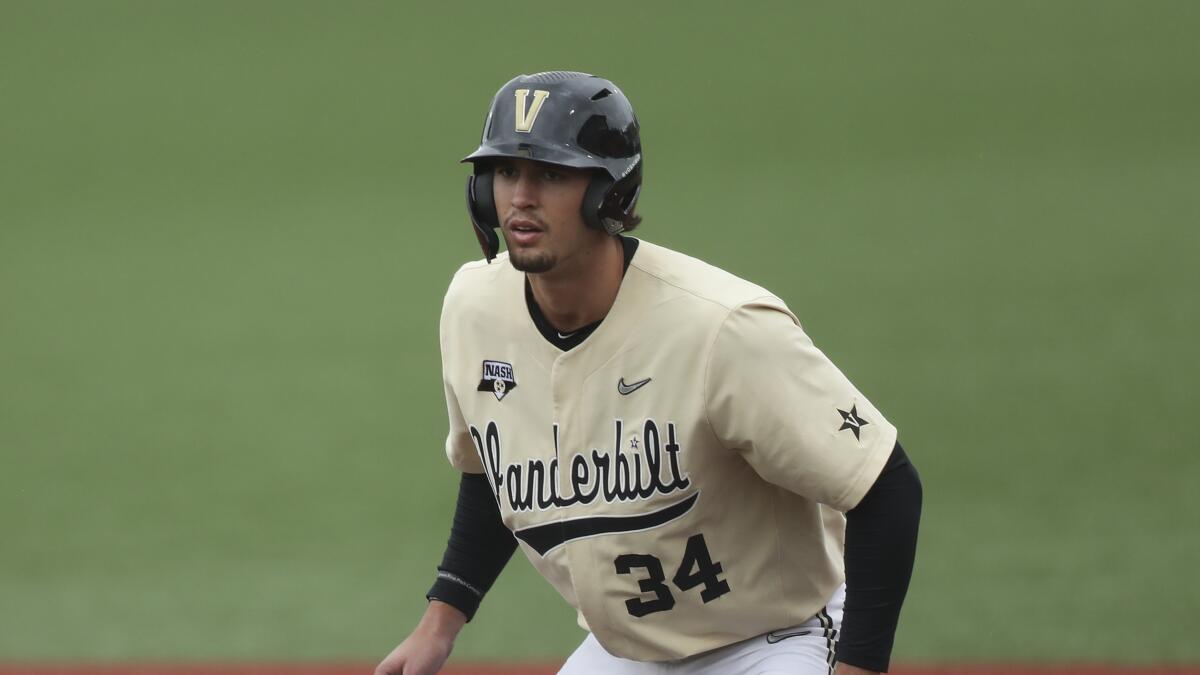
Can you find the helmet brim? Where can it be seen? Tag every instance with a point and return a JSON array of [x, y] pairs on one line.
[[573, 158]]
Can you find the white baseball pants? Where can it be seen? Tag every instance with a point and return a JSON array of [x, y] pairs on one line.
[[806, 649]]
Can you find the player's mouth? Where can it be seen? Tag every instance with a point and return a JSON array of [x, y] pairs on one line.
[[524, 232]]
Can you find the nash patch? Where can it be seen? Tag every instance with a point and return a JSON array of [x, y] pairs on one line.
[[498, 378]]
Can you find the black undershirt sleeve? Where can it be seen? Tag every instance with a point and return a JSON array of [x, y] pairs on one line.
[[881, 545], [480, 546]]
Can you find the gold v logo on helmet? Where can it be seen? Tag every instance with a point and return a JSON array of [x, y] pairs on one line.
[[526, 118]]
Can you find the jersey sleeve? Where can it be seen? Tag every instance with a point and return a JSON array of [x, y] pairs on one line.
[[460, 449], [776, 399]]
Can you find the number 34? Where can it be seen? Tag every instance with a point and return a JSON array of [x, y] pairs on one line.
[[696, 568]]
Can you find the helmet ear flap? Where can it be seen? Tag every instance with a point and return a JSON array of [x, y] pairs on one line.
[[593, 202], [481, 205], [608, 205]]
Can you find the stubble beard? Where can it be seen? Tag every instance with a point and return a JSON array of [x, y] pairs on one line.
[[532, 262]]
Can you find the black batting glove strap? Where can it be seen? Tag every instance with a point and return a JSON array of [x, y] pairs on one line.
[[881, 545], [480, 546]]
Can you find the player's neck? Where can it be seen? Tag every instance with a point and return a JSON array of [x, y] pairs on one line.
[[582, 291]]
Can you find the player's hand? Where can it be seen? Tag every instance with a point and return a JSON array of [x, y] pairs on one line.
[[844, 669], [417, 655], [425, 651]]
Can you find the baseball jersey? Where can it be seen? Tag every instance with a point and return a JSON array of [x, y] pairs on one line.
[[679, 477]]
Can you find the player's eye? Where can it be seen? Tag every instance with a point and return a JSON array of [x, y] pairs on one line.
[[553, 175], [506, 170]]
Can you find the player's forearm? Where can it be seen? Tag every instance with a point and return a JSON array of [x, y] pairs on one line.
[[479, 548], [846, 669], [442, 621], [881, 540]]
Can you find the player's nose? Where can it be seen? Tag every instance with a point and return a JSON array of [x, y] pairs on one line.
[[525, 192]]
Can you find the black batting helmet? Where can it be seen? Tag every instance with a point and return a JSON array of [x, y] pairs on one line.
[[569, 119]]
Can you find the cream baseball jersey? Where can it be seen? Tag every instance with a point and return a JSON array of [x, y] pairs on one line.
[[679, 476]]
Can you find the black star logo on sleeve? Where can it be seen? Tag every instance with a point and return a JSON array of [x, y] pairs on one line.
[[851, 421]]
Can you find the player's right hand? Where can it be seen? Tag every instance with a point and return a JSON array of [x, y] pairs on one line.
[[416, 656], [427, 648]]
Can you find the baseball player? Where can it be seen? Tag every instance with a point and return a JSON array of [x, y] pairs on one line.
[[659, 437]]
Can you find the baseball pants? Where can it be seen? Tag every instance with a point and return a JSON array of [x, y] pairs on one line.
[[806, 649]]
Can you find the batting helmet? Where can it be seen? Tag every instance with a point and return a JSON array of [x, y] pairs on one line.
[[568, 119]]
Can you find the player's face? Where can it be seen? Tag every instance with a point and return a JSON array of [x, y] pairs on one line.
[[539, 209]]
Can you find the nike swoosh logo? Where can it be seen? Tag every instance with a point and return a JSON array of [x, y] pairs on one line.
[[773, 637], [627, 389], [547, 537], [567, 336]]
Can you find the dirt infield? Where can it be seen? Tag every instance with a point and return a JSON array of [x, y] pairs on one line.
[[547, 669]]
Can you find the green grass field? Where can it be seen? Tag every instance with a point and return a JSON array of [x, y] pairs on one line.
[[226, 227]]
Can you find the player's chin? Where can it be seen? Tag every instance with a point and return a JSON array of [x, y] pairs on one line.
[[531, 261]]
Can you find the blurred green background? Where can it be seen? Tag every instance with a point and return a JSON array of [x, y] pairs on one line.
[[226, 227]]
